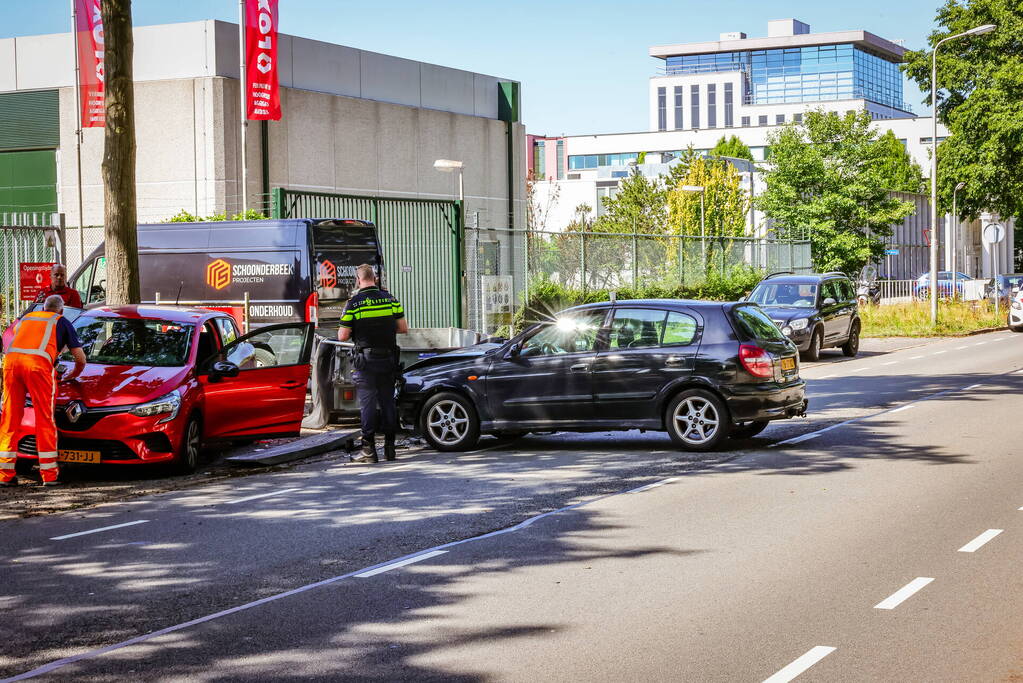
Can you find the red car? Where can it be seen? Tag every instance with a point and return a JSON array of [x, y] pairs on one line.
[[162, 382]]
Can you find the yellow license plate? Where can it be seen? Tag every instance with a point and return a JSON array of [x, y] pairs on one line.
[[788, 363], [78, 456]]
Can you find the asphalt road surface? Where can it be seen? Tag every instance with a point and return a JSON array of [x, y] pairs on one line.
[[879, 539]]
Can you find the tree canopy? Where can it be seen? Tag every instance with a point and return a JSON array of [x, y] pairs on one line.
[[980, 82], [901, 173], [827, 177], [731, 147], [726, 204]]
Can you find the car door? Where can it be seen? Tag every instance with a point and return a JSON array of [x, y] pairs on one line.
[[647, 348], [267, 396], [831, 307], [548, 379]]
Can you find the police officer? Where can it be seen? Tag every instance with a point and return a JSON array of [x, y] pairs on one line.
[[371, 320]]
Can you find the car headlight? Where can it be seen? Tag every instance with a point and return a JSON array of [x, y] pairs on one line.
[[170, 403], [799, 323]]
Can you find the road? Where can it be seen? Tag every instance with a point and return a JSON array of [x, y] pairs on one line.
[[879, 539]]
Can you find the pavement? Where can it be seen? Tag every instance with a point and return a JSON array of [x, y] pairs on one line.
[[573, 556]]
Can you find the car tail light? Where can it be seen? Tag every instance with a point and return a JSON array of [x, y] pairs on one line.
[[756, 361], [312, 304]]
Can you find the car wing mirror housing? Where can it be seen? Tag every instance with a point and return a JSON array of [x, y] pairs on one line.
[[830, 302], [223, 368], [513, 351]]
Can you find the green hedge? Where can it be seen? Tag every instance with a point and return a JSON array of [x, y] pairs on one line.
[[547, 297]]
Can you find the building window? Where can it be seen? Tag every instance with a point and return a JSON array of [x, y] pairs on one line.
[[762, 121], [539, 159], [729, 122], [798, 118], [679, 94], [561, 159], [779, 119], [712, 105], [745, 121], [694, 106], [662, 109]]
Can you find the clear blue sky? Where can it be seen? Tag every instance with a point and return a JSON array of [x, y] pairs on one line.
[[583, 64]]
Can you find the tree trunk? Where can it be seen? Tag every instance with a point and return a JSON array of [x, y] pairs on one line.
[[119, 211]]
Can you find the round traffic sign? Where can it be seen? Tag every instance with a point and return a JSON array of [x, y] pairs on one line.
[[993, 233]]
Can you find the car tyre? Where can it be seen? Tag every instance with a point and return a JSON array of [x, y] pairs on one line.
[[813, 353], [1018, 328], [449, 422], [697, 420], [191, 446], [747, 430], [263, 358], [852, 344]]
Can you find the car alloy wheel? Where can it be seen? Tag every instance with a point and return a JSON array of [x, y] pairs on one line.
[[191, 446], [449, 422], [697, 420]]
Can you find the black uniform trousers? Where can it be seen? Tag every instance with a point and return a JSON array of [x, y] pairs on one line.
[[374, 387]]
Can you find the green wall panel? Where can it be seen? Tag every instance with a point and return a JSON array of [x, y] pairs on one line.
[[29, 120], [28, 181]]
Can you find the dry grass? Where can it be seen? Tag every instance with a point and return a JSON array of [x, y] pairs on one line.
[[914, 319]]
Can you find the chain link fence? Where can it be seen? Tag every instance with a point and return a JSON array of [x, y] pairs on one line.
[[24, 238]]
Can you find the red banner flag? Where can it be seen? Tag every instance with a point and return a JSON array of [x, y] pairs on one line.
[[263, 99], [89, 40]]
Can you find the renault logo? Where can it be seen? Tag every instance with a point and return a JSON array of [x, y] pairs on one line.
[[74, 411]]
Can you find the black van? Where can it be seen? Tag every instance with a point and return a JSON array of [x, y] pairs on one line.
[[288, 270]]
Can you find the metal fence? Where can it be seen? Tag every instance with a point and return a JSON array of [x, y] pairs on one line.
[[420, 243], [24, 238], [590, 260]]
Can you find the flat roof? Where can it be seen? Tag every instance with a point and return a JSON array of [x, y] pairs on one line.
[[864, 39]]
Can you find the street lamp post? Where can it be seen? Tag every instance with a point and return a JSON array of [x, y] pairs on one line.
[[954, 236], [451, 166], [986, 28]]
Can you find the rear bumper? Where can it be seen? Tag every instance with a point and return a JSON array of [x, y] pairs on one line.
[[767, 401]]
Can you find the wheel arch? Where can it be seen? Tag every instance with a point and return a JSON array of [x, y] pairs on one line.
[[684, 385]]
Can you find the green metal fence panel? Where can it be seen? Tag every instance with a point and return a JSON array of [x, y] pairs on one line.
[[419, 240]]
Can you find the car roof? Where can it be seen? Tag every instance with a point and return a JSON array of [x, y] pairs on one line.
[[176, 314], [811, 279], [692, 303]]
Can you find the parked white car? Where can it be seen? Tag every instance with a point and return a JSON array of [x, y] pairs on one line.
[[1015, 320]]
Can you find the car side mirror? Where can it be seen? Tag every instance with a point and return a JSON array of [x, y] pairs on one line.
[[830, 302], [223, 368], [513, 352]]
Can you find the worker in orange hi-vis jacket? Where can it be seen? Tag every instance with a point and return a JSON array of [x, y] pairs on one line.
[[29, 371]]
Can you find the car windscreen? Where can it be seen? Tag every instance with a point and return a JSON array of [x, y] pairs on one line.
[[757, 324], [70, 313], [134, 341], [795, 295]]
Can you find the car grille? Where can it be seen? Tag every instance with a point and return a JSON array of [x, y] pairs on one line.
[[109, 450]]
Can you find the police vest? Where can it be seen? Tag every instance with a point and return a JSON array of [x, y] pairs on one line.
[[36, 335]]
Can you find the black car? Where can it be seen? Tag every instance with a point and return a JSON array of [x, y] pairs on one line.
[[702, 371], [815, 311]]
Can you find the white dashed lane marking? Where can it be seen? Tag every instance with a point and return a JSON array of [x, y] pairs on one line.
[[904, 593], [976, 543], [261, 495], [797, 667]]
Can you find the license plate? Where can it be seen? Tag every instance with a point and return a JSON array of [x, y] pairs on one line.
[[788, 364], [78, 456]]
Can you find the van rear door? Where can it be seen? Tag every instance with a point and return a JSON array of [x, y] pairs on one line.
[[340, 246]]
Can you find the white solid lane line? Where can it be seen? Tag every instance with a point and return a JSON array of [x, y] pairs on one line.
[[976, 543], [96, 531], [261, 495], [891, 363], [800, 665], [901, 595], [799, 439], [898, 410], [401, 563], [654, 485]]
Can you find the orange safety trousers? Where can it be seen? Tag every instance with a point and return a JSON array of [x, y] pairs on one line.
[[33, 376]]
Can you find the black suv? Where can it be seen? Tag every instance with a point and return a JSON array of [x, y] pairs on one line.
[[702, 371], [815, 311]]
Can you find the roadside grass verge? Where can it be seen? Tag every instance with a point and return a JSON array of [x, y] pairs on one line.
[[914, 319]]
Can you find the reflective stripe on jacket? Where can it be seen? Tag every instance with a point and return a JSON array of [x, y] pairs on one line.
[[35, 335]]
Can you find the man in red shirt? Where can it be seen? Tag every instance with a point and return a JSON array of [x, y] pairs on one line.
[[58, 286]]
